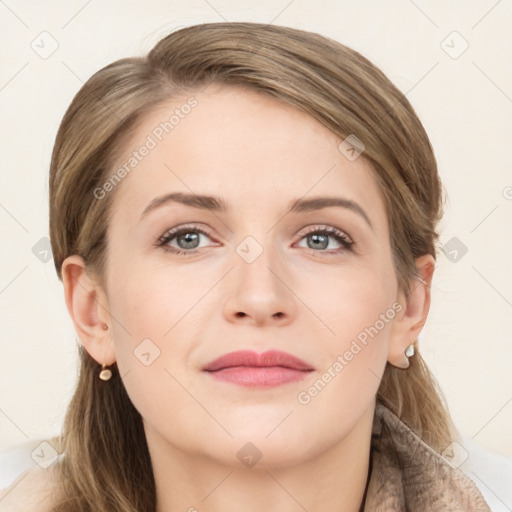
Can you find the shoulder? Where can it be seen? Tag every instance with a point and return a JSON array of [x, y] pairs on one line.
[[33, 491]]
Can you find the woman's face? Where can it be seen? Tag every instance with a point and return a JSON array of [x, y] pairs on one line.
[[256, 276]]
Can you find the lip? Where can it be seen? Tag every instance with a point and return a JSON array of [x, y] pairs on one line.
[[248, 368]]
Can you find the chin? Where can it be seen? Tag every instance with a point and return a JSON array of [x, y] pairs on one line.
[[261, 455], [252, 448]]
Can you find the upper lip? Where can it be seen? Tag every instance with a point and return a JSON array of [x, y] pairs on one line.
[[250, 358]]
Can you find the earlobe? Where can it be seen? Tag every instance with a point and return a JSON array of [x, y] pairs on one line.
[[87, 307], [409, 323]]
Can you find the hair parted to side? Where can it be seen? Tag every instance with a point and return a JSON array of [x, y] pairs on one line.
[[107, 464]]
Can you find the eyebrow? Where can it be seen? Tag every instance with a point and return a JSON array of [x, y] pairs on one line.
[[217, 204]]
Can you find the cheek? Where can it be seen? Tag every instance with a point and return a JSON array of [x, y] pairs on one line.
[[152, 308], [154, 302], [354, 361], [348, 300], [356, 318]]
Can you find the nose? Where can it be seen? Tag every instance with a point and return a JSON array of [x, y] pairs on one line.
[[261, 292]]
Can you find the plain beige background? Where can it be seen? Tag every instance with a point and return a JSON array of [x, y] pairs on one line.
[[453, 63]]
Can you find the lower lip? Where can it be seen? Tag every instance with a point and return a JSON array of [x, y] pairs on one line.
[[266, 376]]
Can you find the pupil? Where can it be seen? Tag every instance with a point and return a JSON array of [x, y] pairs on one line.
[[317, 237], [190, 238]]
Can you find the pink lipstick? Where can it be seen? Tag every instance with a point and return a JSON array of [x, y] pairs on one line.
[[247, 368]]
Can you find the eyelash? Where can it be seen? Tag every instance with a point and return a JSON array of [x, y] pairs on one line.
[[335, 233]]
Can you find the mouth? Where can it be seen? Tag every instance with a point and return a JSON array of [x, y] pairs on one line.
[[247, 368]]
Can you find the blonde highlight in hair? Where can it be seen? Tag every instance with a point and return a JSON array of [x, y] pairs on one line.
[[107, 465]]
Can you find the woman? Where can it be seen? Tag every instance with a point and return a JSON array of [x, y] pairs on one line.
[[244, 222]]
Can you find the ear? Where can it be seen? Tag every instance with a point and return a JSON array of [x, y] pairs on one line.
[[87, 306], [408, 324]]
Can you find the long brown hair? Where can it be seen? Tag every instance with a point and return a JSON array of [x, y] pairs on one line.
[[107, 464]]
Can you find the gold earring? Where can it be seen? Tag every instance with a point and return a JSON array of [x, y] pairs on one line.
[[105, 373]]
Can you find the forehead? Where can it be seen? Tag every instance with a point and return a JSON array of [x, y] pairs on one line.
[[253, 150]]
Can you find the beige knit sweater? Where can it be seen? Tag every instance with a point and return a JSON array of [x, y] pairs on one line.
[[409, 476]]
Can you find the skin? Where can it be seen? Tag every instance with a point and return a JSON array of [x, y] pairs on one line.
[[258, 155]]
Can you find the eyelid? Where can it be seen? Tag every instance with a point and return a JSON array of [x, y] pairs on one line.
[[173, 232], [313, 228], [348, 243], [178, 229]]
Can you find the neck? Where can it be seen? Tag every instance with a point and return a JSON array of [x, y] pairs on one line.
[[332, 480]]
